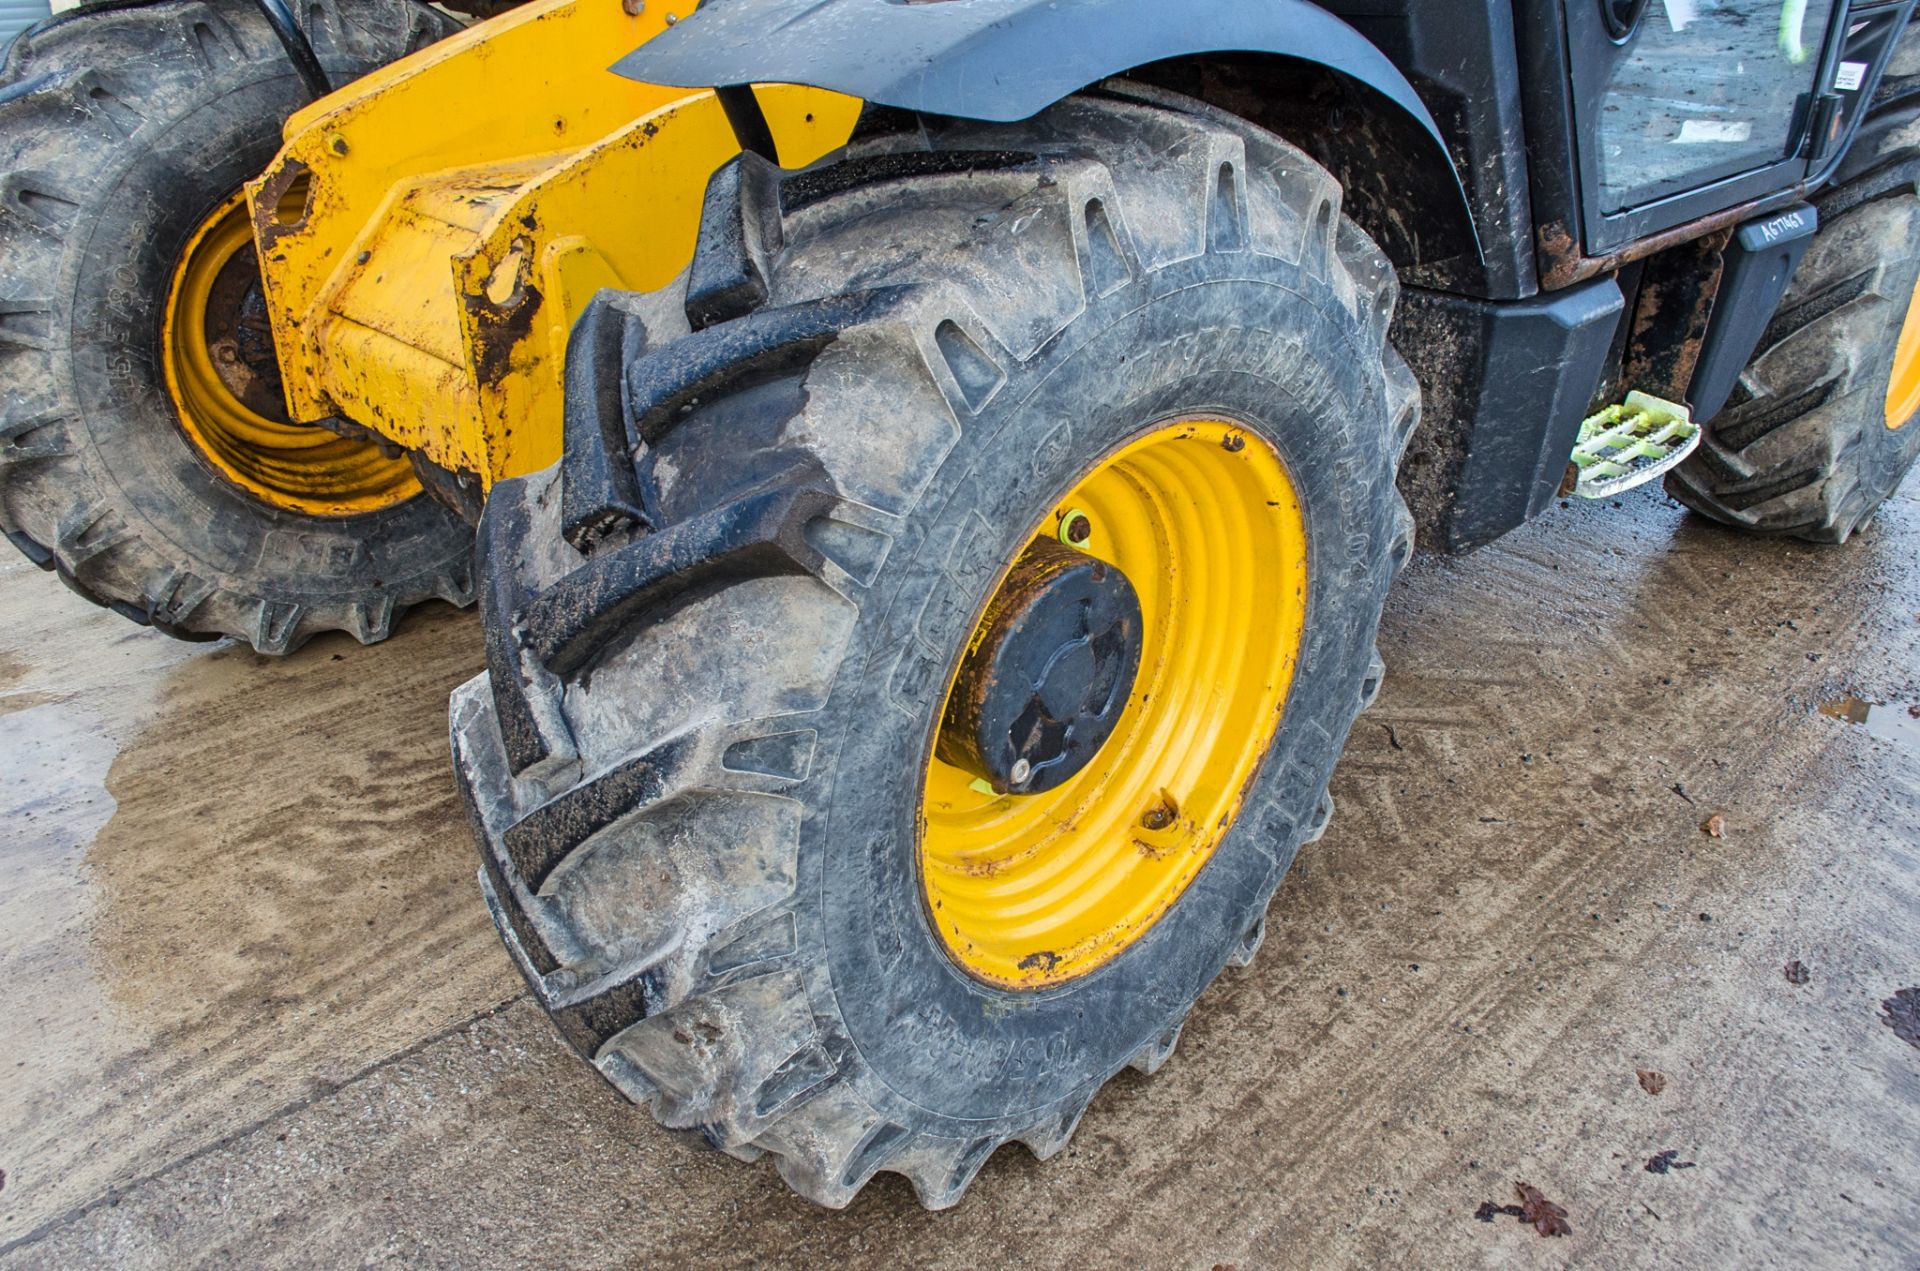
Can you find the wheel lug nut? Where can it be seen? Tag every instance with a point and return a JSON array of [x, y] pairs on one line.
[[1020, 771]]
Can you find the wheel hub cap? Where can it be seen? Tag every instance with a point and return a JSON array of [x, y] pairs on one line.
[[1043, 687]]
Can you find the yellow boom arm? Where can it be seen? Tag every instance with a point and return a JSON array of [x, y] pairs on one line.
[[428, 234]]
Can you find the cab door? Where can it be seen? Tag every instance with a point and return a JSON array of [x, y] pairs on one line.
[[1682, 107]]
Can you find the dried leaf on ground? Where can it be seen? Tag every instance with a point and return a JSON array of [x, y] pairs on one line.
[[1715, 826], [1661, 1162], [1797, 972], [1651, 1082], [1547, 1218], [1903, 1015]]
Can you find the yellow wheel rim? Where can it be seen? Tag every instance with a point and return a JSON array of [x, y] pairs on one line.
[[1033, 890], [217, 351], [1903, 388]]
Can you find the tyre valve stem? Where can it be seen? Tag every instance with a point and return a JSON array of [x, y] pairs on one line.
[[1076, 527]]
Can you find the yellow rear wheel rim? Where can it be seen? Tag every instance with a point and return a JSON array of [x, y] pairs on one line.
[[1903, 387], [1029, 891], [213, 356]]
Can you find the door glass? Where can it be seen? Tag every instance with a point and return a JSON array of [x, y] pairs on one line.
[[1706, 89]]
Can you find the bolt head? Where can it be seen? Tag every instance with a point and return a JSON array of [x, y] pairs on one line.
[[1159, 816], [1020, 771]]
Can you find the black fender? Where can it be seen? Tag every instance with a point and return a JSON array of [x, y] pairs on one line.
[[1000, 60]]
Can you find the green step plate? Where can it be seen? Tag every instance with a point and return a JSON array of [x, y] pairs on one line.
[[1631, 443]]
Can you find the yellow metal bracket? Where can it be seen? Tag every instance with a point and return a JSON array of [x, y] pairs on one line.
[[428, 234]]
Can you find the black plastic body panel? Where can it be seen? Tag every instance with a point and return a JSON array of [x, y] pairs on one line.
[[1461, 58], [1505, 388], [1759, 263]]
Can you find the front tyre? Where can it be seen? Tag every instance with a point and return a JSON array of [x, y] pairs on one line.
[[1017, 523]]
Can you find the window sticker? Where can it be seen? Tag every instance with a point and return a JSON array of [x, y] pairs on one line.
[[1696, 132]]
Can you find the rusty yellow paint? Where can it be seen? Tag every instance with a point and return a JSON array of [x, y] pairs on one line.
[[465, 203]]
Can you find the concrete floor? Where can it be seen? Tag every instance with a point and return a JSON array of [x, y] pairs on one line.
[[255, 1014]]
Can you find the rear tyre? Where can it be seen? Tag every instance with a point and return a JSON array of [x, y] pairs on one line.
[[143, 455], [1820, 430], [727, 829]]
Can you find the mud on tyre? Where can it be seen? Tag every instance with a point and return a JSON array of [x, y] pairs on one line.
[[126, 136], [702, 764]]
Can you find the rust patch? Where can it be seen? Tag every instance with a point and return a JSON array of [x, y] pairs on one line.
[[1566, 266], [499, 331], [268, 226], [1152, 851], [458, 489], [1671, 313], [1559, 252]]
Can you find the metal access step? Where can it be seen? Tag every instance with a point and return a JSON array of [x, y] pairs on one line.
[[1631, 443]]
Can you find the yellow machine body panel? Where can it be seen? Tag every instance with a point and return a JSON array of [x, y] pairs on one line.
[[428, 234]]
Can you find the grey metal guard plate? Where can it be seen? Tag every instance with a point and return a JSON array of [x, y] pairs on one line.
[[998, 60]]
